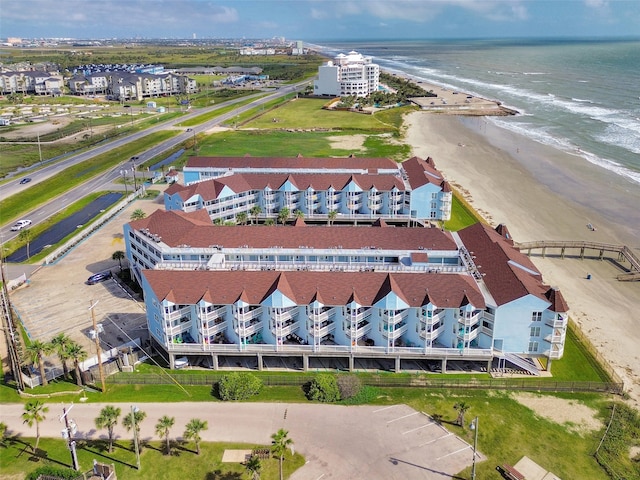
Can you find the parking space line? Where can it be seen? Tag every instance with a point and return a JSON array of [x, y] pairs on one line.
[[404, 416], [453, 453], [414, 429], [436, 439], [385, 408]]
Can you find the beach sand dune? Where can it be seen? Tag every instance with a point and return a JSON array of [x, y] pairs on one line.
[[512, 180]]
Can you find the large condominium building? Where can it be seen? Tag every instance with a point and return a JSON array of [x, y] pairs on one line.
[[347, 75], [320, 188], [131, 85], [404, 298], [31, 82]]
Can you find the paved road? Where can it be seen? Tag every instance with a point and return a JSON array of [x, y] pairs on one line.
[[366, 442], [97, 183]]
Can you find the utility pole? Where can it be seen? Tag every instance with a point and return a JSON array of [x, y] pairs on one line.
[[10, 332], [474, 426], [68, 432], [97, 340], [133, 170]]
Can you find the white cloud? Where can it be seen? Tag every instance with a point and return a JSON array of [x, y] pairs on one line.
[[596, 3], [421, 11]]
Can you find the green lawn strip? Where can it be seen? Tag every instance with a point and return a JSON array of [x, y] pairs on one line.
[[205, 117], [38, 194], [461, 215], [183, 463], [577, 363]]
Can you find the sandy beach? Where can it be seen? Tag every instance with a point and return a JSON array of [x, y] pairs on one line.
[[541, 193]]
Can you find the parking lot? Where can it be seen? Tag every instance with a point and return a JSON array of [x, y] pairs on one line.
[[57, 299]]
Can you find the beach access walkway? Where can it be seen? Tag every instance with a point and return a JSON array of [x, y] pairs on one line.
[[623, 253]]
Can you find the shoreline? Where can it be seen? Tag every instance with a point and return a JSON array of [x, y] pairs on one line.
[[542, 193]]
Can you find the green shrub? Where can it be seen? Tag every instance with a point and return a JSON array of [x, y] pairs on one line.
[[238, 386], [349, 386], [324, 388], [366, 395], [52, 471]]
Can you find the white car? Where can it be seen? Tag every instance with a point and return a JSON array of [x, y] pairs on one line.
[[20, 224]]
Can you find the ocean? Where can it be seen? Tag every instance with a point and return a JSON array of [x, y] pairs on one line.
[[580, 96]]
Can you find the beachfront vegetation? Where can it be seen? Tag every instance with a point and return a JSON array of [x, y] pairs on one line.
[[238, 386]]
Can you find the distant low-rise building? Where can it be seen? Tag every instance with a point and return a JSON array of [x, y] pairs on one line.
[[31, 82], [347, 75], [123, 85]]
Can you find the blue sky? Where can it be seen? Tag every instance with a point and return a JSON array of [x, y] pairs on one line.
[[317, 20]]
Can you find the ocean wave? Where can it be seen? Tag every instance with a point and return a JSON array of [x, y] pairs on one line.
[[542, 135], [581, 100]]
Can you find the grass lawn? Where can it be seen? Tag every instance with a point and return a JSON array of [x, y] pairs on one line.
[[182, 464], [308, 113]]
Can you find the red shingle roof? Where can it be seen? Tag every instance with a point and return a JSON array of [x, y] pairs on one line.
[[289, 164], [421, 172], [508, 274], [243, 182], [195, 229], [330, 288]]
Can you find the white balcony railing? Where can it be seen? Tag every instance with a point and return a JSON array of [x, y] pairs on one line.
[[177, 314], [359, 331], [215, 328], [323, 329], [395, 318], [246, 330], [322, 316], [249, 315], [431, 334], [470, 320], [282, 330], [395, 333], [212, 314]]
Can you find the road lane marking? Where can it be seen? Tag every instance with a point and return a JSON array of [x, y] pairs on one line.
[[453, 453], [385, 408], [436, 439]]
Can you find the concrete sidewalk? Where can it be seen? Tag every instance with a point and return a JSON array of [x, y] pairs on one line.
[[364, 442]]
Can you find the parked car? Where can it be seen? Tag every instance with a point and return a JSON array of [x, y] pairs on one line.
[[20, 224], [98, 277], [25, 180]]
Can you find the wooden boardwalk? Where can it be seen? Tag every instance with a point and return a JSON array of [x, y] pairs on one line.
[[584, 248]]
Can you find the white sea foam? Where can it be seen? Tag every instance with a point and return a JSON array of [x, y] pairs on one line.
[[542, 135]]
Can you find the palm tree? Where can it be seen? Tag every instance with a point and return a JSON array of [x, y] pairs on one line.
[[241, 218], [332, 216], [162, 430], [108, 419], [26, 236], [269, 222], [255, 212], [37, 350], [254, 466], [34, 412], [118, 255], [192, 431], [138, 214], [134, 418], [462, 408], [279, 444], [78, 354], [298, 214], [61, 344], [283, 215]]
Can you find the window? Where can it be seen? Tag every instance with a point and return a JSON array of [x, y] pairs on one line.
[[533, 346], [536, 317], [535, 331]]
